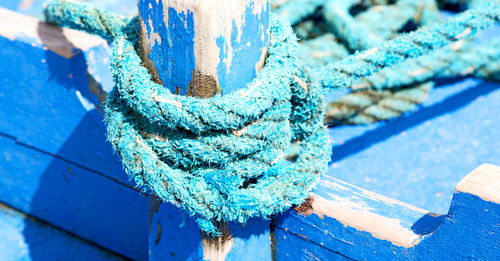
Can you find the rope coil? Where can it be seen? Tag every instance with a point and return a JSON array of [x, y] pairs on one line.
[[210, 156], [223, 159]]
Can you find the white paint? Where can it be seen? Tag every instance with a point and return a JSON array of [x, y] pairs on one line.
[[61, 41], [85, 103]]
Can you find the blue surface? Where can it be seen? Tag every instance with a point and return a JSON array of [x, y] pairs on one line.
[[420, 157], [25, 238], [175, 236], [173, 53], [54, 159], [74, 199], [470, 231], [39, 84], [247, 50]]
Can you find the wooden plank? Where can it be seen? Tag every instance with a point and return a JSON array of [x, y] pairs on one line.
[[203, 47], [74, 199], [483, 182], [26, 238], [53, 81], [347, 222], [175, 235]]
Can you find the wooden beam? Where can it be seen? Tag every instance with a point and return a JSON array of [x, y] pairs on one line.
[[204, 47], [55, 162], [346, 222]]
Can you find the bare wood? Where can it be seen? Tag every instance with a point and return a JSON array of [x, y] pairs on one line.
[[204, 47], [483, 182]]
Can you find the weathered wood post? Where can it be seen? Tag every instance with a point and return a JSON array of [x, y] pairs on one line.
[[202, 48]]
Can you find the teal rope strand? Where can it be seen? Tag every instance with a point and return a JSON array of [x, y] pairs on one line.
[[386, 20], [460, 59], [345, 73], [222, 159], [86, 17], [368, 106], [346, 28]]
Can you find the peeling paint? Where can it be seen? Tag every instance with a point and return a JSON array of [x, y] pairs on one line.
[[224, 45], [62, 41], [483, 182], [350, 214], [217, 248]]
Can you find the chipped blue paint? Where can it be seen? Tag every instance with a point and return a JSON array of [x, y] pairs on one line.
[[173, 52], [174, 235], [247, 43], [332, 189], [470, 230]]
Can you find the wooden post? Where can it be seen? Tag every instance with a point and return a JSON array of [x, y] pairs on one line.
[[202, 48]]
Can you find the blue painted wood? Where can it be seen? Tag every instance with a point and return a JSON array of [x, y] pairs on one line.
[[74, 199], [50, 93], [175, 236], [201, 48], [351, 223], [25, 238], [456, 130], [445, 103]]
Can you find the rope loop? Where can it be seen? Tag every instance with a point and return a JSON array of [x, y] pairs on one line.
[[226, 158], [223, 158]]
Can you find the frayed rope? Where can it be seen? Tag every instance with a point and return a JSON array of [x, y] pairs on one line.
[[223, 159]]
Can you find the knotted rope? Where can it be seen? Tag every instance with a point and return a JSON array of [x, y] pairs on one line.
[[336, 29], [223, 159], [219, 158]]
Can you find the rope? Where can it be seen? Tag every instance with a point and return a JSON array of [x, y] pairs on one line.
[[344, 73], [368, 106], [327, 48], [381, 97], [223, 159], [460, 59]]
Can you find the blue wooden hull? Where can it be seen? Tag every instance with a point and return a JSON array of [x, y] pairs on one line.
[[56, 166]]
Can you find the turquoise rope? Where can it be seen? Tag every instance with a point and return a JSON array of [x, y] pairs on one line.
[[461, 59], [345, 73], [223, 159], [368, 106]]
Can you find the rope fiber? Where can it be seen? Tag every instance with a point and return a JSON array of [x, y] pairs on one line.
[[224, 158]]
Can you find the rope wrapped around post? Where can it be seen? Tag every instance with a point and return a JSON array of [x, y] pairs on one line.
[[223, 158]]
